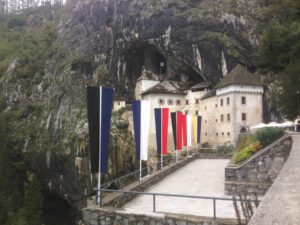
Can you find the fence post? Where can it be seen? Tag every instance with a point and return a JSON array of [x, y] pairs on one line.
[[214, 208], [154, 203], [100, 199]]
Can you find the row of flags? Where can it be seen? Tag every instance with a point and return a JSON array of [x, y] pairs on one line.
[[99, 102]]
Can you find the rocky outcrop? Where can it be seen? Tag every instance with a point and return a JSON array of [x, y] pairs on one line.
[[109, 43]]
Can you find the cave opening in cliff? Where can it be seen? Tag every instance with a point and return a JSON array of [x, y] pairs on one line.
[[58, 211], [144, 57]]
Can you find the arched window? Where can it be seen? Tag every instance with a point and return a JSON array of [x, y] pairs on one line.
[[243, 130]]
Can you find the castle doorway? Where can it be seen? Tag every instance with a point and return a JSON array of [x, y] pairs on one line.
[[243, 130]]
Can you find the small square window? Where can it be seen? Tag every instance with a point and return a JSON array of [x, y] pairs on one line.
[[216, 120], [205, 121], [222, 133], [119, 103], [228, 101], [186, 112], [216, 105], [205, 108], [217, 134], [222, 117], [186, 101], [161, 101], [178, 102], [196, 113], [205, 134], [228, 117], [244, 116], [243, 100], [228, 133], [197, 101], [221, 102], [170, 102]]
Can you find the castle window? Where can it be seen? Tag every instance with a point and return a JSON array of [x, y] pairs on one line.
[[216, 120], [186, 112], [170, 102], [196, 113], [217, 134], [205, 134], [205, 121], [161, 101], [228, 133], [205, 108], [228, 101], [222, 117], [197, 101], [186, 101], [119, 103], [221, 102], [222, 133], [228, 117], [243, 100], [178, 102], [244, 116], [216, 105]]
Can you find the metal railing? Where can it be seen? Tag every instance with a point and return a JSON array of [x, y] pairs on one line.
[[167, 162], [214, 199]]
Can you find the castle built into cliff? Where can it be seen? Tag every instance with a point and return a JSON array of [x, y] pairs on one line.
[[228, 109]]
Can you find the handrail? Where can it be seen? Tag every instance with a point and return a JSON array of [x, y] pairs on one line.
[[122, 178], [214, 199]]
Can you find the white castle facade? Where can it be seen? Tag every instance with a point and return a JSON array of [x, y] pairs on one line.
[[230, 108]]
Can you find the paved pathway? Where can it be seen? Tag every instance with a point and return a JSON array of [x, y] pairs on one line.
[[203, 177], [281, 204]]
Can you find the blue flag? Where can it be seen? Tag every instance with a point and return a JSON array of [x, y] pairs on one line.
[[141, 123], [99, 101]]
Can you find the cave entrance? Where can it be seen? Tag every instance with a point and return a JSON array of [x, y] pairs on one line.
[[141, 57], [154, 62], [58, 211], [146, 57]]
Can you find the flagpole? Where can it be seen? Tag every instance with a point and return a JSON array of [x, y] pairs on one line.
[[161, 139], [140, 142], [140, 169], [99, 172]]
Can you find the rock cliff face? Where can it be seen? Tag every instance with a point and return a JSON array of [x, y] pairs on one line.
[[109, 42]]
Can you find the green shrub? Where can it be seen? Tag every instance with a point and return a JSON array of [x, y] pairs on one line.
[[225, 149], [245, 140], [249, 145], [243, 154], [268, 135]]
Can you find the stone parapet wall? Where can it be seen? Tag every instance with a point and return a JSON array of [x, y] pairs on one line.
[[110, 216], [257, 174]]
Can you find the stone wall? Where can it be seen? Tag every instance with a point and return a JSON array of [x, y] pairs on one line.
[[257, 174], [109, 216]]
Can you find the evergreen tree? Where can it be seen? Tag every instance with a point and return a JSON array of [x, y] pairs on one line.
[[279, 54], [11, 177]]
